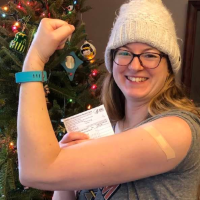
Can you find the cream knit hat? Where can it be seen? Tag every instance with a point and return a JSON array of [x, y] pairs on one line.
[[145, 21]]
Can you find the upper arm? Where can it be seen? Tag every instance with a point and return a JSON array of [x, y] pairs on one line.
[[124, 157]]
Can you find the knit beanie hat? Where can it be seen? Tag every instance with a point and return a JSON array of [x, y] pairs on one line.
[[145, 21]]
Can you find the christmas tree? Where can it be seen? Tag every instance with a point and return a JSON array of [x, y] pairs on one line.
[[73, 86]]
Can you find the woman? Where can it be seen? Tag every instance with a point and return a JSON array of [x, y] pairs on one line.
[[155, 151]]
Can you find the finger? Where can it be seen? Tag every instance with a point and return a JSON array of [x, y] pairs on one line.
[[62, 44], [52, 24], [74, 136], [65, 145], [63, 32]]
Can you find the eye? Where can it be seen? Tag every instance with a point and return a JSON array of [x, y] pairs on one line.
[[123, 53], [150, 55]]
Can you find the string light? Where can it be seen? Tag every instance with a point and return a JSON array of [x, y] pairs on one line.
[[28, 3], [14, 28], [11, 144], [94, 72], [69, 12], [43, 14], [19, 5], [16, 24], [92, 61], [94, 87], [3, 15], [89, 107], [5, 8], [71, 100], [75, 2]]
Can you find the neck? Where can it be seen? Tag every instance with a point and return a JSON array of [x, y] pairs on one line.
[[135, 113]]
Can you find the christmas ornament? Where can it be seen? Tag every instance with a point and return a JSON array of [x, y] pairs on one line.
[[19, 42], [88, 51], [70, 64], [70, 8]]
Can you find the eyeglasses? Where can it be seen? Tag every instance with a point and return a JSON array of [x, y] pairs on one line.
[[148, 60]]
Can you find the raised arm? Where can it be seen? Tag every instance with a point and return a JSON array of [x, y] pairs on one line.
[[33, 118]]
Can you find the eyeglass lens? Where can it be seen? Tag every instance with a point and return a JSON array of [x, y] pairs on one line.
[[148, 59]]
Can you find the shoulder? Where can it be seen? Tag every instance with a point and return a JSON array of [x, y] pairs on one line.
[[166, 140], [175, 130]]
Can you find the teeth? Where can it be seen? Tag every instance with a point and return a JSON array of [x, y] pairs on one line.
[[137, 79]]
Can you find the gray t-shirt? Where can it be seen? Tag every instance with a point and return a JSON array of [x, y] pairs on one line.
[[180, 183]]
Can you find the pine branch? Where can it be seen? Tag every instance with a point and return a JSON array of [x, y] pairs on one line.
[[3, 42], [12, 56], [3, 31], [59, 3], [30, 37], [78, 35]]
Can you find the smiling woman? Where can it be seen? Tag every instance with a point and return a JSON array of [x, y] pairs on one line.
[[154, 152]]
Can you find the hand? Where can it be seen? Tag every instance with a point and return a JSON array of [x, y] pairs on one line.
[[73, 138], [51, 35]]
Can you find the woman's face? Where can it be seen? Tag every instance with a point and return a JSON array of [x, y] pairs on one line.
[[136, 82]]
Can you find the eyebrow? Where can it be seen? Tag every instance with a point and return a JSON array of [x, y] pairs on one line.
[[147, 49]]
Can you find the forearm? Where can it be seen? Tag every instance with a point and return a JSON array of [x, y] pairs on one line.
[[64, 195], [34, 126]]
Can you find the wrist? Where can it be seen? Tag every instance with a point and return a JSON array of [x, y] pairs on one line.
[[33, 62]]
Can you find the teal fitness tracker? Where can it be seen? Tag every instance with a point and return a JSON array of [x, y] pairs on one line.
[[31, 76]]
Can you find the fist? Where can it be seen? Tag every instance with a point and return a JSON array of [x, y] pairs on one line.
[[51, 35]]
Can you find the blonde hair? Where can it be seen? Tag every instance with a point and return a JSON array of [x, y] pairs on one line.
[[171, 96]]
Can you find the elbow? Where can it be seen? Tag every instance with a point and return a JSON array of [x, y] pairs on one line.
[[35, 180], [26, 179], [23, 181]]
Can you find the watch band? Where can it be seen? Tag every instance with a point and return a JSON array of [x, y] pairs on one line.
[[31, 76]]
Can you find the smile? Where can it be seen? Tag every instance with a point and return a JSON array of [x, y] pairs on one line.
[[133, 79]]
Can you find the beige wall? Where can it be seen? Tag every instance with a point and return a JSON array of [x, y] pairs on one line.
[[99, 20]]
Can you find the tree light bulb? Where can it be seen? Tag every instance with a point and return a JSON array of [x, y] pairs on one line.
[[16, 24], [3, 15], [5, 8], [94, 86], [94, 72], [89, 107], [71, 100], [14, 28], [11, 144], [91, 61]]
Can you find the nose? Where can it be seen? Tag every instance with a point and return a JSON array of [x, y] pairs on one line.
[[135, 64]]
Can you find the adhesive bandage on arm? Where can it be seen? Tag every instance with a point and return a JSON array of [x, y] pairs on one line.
[[161, 141]]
